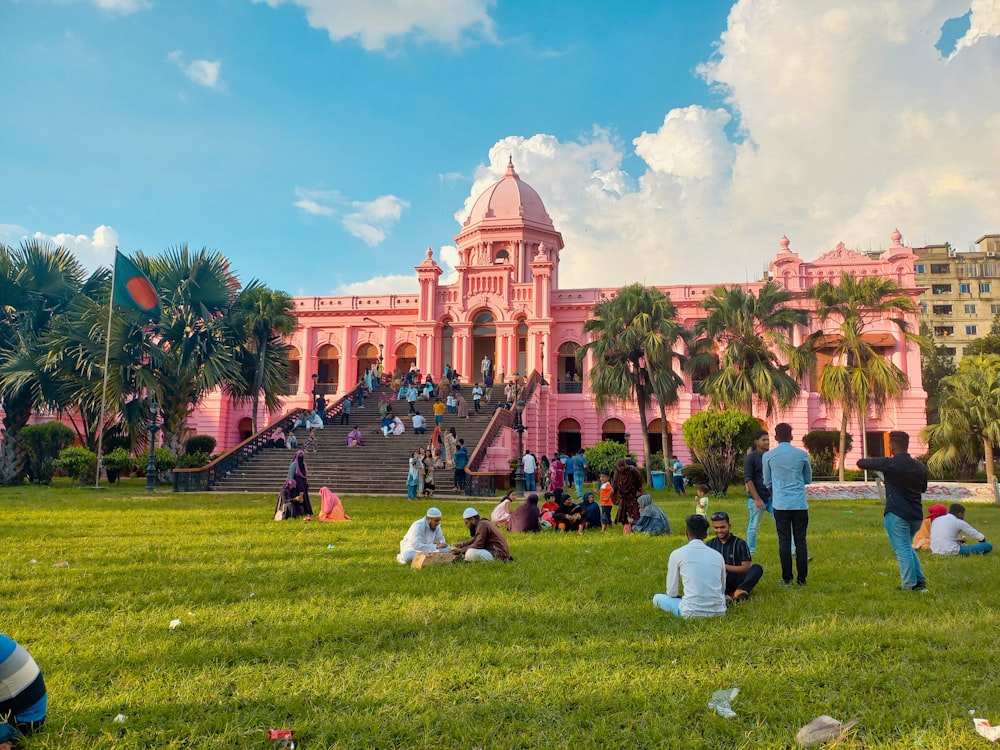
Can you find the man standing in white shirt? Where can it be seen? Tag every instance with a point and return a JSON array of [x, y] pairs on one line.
[[477, 396], [702, 571], [530, 465], [424, 535], [947, 531]]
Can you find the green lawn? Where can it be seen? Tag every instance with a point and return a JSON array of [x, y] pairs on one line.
[[315, 627]]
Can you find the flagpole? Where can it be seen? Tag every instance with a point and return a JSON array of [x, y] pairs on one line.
[[107, 356]]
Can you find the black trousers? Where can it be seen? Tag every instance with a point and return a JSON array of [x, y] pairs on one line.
[[345, 417], [792, 524], [745, 581]]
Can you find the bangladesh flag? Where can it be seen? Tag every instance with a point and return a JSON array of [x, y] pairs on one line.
[[132, 288]]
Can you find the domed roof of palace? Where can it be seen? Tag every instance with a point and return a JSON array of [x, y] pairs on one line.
[[509, 199]]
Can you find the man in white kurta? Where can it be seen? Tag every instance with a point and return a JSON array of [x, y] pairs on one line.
[[424, 535], [701, 569]]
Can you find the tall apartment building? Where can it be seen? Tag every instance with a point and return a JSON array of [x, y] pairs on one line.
[[963, 291]]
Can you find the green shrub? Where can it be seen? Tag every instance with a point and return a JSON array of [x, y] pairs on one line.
[[192, 461], [695, 474], [43, 442], [823, 446], [200, 444], [79, 463], [115, 462], [164, 460], [656, 462], [719, 439], [602, 456]]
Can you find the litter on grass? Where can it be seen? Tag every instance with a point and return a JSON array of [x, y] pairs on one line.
[[62, 564], [329, 546], [823, 729], [721, 702], [174, 624], [987, 730], [119, 719], [282, 738]]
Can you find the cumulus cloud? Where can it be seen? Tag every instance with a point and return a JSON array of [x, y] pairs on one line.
[[369, 221], [840, 122], [92, 250], [446, 257], [376, 23], [202, 72]]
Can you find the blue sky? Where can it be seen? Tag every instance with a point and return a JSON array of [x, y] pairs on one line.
[[322, 145]]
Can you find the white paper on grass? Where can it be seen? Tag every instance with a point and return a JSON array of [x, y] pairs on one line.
[[174, 624]]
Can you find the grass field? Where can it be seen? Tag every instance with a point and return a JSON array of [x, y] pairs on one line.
[[315, 627]]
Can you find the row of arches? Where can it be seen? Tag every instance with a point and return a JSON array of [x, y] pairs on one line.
[[612, 428], [328, 360]]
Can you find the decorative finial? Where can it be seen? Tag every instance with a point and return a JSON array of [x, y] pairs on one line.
[[784, 244], [510, 160], [896, 237], [430, 253]]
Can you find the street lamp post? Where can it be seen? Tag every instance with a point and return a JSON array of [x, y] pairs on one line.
[[519, 428], [154, 409]]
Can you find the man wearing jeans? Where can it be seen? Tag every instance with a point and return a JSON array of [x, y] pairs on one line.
[[530, 466], [787, 472], [758, 495], [905, 482]]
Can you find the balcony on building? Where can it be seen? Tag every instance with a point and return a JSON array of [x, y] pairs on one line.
[[940, 267], [940, 288], [942, 309], [944, 330]]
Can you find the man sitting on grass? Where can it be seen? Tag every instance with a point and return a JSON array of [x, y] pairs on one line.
[[487, 544], [424, 535], [947, 531], [23, 700], [742, 573], [703, 573]]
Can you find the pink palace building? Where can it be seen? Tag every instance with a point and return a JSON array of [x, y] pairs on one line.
[[507, 306]]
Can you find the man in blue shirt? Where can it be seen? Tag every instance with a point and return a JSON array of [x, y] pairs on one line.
[[786, 473], [23, 700], [461, 459], [758, 495], [579, 471], [905, 482]]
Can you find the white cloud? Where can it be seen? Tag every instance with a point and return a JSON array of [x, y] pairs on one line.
[[447, 258], [202, 72], [984, 23], [374, 23], [93, 250], [369, 221], [848, 123], [123, 6]]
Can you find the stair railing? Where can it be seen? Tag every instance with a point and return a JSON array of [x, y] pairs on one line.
[[483, 483], [205, 477]]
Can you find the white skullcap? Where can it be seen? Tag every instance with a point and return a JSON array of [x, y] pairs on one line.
[[433, 513], [470, 513]]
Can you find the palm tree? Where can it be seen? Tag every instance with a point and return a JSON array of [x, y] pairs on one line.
[[750, 331], [262, 317], [192, 344], [37, 283], [859, 377], [969, 408], [633, 336]]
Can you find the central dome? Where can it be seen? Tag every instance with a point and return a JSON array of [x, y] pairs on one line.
[[509, 199]]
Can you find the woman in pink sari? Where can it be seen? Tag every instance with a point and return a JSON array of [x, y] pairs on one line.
[[331, 509]]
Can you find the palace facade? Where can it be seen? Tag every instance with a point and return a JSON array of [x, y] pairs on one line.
[[507, 306]]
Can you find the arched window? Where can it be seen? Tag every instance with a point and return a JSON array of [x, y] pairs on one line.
[[568, 373], [522, 347], [367, 356], [502, 257], [294, 369], [245, 428], [328, 369], [483, 324], [614, 430], [570, 440]]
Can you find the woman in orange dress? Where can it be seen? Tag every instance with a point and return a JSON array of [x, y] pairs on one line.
[[331, 509]]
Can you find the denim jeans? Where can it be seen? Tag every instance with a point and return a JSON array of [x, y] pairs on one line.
[[901, 532], [411, 490], [578, 479], [753, 525], [975, 549], [529, 481], [670, 604], [791, 526]]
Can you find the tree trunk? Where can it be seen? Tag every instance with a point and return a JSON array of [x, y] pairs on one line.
[[843, 445], [668, 448], [257, 381], [988, 450], [13, 457]]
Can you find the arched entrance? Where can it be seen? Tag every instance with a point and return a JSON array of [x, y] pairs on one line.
[[245, 428], [656, 436], [484, 344], [567, 373], [522, 347], [570, 440], [447, 346], [294, 370], [328, 369], [367, 356], [614, 430], [406, 356]]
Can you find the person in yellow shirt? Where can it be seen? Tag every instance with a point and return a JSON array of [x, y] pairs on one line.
[[438, 411]]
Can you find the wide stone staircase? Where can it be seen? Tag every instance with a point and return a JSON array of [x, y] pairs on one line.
[[378, 467]]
